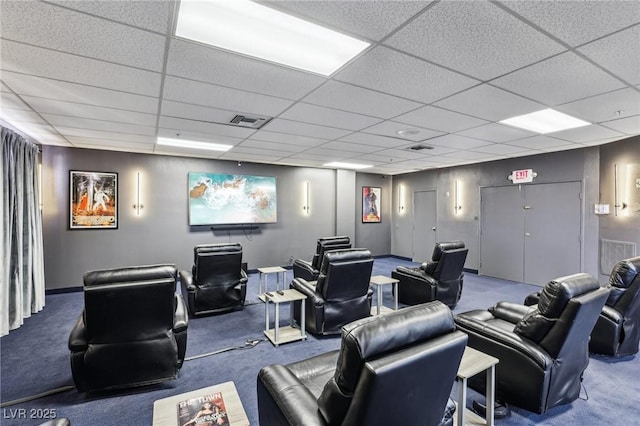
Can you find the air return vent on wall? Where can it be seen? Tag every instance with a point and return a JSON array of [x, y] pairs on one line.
[[250, 121]]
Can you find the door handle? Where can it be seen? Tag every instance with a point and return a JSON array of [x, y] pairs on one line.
[[433, 229], [526, 207], [527, 234]]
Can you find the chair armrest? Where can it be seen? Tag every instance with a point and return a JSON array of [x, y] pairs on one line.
[[303, 269], [186, 280], [78, 336], [611, 314], [243, 277], [511, 312], [305, 287], [180, 316], [280, 390], [412, 272]]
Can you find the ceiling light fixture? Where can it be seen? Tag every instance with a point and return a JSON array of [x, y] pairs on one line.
[[545, 121], [407, 132], [185, 143], [340, 165], [255, 30]]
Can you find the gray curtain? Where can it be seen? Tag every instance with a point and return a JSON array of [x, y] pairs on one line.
[[22, 275]]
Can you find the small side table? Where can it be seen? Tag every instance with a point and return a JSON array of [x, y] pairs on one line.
[[474, 362], [289, 333], [263, 274], [379, 281]]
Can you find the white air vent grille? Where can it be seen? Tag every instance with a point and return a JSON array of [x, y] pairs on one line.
[[612, 252], [250, 121]]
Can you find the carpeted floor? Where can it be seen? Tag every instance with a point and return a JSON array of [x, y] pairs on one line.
[[35, 359]]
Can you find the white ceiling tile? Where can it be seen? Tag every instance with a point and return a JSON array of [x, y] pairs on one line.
[[577, 22], [328, 117], [475, 38], [349, 147], [374, 140], [538, 142], [562, 147], [600, 141], [490, 103], [355, 99], [586, 134], [272, 146], [48, 106], [317, 157], [104, 135], [469, 155], [215, 66], [390, 128], [4, 88], [92, 124], [21, 116], [405, 153], [149, 14], [603, 107], [46, 25], [332, 152], [399, 74], [304, 129], [558, 80], [193, 135], [9, 100], [496, 132], [457, 142], [628, 125], [65, 67], [500, 149], [264, 154], [248, 157], [618, 53], [263, 135], [370, 19], [196, 112], [186, 152], [108, 144], [181, 125], [188, 91], [439, 119], [57, 90]]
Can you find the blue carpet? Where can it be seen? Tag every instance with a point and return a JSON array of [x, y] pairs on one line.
[[35, 359]]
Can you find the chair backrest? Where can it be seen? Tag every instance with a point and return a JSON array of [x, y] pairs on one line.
[[399, 367], [325, 244], [345, 274], [451, 264], [216, 264], [624, 285], [567, 310], [129, 304]]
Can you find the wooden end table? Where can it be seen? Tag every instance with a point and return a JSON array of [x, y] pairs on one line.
[[474, 362], [263, 274], [379, 281], [289, 333]]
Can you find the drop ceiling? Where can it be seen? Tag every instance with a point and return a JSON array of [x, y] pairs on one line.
[[110, 75]]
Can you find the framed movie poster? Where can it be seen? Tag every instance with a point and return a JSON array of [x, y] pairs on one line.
[[93, 200], [370, 204]]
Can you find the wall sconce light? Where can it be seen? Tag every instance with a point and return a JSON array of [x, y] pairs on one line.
[[456, 196], [617, 205], [401, 199], [138, 206], [307, 194]]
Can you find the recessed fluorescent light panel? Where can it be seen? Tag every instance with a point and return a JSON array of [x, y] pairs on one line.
[[339, 165], [545, 121], [255, 30], [184, 143]]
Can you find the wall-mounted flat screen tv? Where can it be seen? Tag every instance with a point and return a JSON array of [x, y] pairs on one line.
[[224, 199]]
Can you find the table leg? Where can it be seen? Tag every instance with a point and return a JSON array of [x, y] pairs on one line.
[[302, 319], [490, 395], [379, 300], [395, 294], [462, 400], [276, 326], [261, 279], [266, 314]]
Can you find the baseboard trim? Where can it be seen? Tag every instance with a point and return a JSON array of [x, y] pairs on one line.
[[471, 271], [63, 290]]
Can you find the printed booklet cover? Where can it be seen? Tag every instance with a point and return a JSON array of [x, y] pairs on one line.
[[205, 410]]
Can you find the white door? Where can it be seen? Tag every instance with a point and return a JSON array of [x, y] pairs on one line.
[[424, 228]]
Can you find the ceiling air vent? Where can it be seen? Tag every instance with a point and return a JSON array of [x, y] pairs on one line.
[[250, 121], [419, 147]]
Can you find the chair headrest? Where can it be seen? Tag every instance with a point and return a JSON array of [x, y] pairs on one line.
[[330, 241], [556, 294], [372, 337], [217, 248], [130, 274], [343, 255], [444, 246], [624, 272]]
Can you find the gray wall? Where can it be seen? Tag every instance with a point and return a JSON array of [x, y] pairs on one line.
[[575, 165], [626, 225], [374, 236], [161, 233]]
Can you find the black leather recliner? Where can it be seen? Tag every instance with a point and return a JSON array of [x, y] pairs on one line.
[[394, 369], [310, 270], [217, 283], [441, 278], [617, 331], [340, 295], [133, 330], [543, 349]]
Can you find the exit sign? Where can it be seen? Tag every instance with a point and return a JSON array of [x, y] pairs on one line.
[[522, 176]]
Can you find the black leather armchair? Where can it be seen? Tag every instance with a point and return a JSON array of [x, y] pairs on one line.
[[340, 295], [617, 331], [394, 369], [217, 283], [310, 270], [440, 278], [543, 349], [133, 330]]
